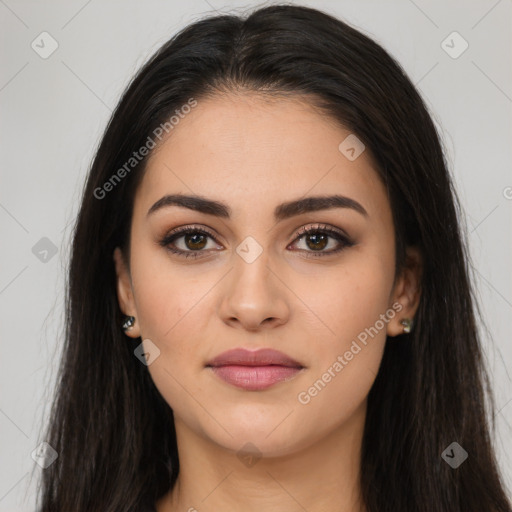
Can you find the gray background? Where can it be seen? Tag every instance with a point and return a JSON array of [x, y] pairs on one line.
[[53, 112]]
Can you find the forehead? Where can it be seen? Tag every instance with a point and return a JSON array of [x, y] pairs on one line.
[[251, 151]]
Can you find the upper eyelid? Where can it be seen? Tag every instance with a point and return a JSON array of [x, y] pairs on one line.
[[181, 231], [298, 233]]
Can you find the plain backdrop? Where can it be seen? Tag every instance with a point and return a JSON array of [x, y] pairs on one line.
[[53, 111]]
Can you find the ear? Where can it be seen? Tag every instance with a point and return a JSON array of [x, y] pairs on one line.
[[407, 291], [125, 292]]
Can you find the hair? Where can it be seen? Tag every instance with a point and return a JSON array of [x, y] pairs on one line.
[[113, 431]]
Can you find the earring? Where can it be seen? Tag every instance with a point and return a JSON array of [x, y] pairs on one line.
[[128, 323], [407, 323]]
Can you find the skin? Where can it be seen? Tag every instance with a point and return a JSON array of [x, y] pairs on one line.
[[253, 153]]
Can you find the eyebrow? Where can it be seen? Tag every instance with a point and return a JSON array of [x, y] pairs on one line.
[[281, 212]]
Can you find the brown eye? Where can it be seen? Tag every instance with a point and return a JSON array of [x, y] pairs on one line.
[[194, 241], [317, 241], [317, 238]]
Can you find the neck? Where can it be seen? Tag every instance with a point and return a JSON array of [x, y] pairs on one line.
[[321, 476]]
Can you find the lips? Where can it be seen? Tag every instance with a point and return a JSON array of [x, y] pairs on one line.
[[254, 370], [262, 357]]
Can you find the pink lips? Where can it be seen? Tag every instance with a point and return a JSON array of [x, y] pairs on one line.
[[254, 370]]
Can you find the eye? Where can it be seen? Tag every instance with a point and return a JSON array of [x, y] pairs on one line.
[[195, 240], [317, 238]]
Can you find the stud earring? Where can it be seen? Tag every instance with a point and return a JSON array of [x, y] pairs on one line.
[[407, 323], [128, 323]]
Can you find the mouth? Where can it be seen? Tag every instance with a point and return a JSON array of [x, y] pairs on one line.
[[255, 378], [254, 370]]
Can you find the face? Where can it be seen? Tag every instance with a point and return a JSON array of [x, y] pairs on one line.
[[244, 277]]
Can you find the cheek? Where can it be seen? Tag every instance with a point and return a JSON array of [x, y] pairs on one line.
[[174, 308], [353, 310], [340, 304], [171, 308], [166, 292]]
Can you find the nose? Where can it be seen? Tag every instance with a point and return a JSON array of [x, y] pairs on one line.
[[255, 297]]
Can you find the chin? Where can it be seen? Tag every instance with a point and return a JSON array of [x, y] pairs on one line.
[[249, 443], [267, 435]]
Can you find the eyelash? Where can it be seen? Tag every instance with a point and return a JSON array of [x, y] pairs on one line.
[[322, 229]]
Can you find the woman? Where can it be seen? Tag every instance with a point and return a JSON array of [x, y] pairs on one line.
[[269, 302]]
